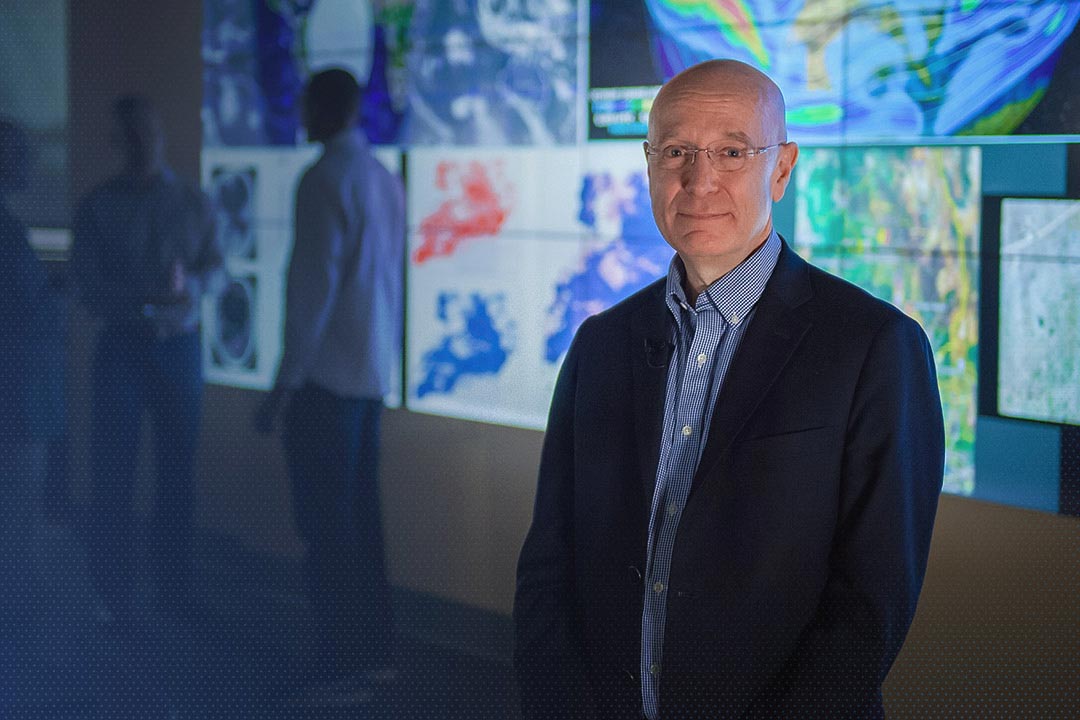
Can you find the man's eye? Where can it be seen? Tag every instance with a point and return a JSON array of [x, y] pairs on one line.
[[674, 151], [732, 152]]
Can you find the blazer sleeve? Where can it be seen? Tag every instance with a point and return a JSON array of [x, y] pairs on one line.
[[548, 652], [892, 475]]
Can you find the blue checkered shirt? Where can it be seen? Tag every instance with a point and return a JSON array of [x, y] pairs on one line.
[[706, 338]]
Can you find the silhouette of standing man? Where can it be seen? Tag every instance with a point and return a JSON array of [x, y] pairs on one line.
[[144, 251], [342, 338]]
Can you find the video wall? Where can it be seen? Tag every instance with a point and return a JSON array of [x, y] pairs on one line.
[[517, 128]]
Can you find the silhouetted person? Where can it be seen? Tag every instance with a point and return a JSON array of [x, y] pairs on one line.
[[31, 350], [342, 340], [144, 252]]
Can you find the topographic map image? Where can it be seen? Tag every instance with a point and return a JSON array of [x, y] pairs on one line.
[[903, 223], [1039, 315]]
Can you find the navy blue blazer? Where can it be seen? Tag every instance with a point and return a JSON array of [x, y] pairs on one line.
[[802, 548]]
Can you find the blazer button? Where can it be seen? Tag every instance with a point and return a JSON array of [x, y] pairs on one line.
[[633, 574], [630, 675]]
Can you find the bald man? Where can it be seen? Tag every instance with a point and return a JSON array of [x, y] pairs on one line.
[[742, 462]]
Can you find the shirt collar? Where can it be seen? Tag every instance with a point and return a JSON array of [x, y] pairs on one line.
[[734, 294]]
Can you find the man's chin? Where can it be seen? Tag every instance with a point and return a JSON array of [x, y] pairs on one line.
[[704, 240], [714, 225]]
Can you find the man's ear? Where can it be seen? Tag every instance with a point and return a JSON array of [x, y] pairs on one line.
[[789, 155]]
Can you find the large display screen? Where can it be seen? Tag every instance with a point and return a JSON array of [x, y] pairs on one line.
[[1039, 310], [860, 71], [903, 223]]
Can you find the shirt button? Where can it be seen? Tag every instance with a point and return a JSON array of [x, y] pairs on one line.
[[672, 509], [734, 318], [701, 359], [654, 669], [658, 587], [687, 430]]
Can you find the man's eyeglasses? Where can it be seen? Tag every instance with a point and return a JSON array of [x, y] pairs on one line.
[[724, 159]]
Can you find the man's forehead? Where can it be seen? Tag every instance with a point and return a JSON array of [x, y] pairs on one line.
[[730, 113], [714, 96]]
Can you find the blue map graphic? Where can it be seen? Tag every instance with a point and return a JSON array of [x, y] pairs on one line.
[[478, 342], [632, 254]]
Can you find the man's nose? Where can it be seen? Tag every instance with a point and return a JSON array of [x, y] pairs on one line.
[[700, 176]]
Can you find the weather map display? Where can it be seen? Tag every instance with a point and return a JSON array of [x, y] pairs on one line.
[[903, 223], [494, 73], [1039, 310], [252, 190], [854, 70], [503, 271], [483, 246], [621, 252]]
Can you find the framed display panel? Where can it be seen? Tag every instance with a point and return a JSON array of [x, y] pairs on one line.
[[489, 230], [1033, 308]]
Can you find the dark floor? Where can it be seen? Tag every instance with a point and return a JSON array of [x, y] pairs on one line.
[[247, 659]]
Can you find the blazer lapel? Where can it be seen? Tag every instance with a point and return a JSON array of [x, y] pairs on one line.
[[651, 347], [775, 331]]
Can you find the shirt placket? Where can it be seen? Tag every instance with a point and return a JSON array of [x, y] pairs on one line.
[[692, 395]]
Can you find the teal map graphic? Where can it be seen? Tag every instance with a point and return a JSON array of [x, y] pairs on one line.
[[903, 224]]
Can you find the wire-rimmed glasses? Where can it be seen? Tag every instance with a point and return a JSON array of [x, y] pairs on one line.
[[728, 158]]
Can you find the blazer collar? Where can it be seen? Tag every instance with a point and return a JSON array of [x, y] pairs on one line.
[[778, 326]]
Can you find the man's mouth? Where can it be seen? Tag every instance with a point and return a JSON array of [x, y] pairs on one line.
[[701, 215]]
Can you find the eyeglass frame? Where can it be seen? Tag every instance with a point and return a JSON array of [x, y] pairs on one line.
[[751, 153]]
